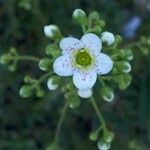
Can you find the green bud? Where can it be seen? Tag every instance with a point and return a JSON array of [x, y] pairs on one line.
[[25, 91], [123, 80], [118, 40], [102, 23], [52, 31], [94, 20], [53, 51], [12, 67], [13, 51], [40, 92], [5, 59], [107, 93], [94, 135], [123, 66], [73, 100], [96, 30], [126, 54], [79, 16], [109, 136], [45, 64], [27, 79], [94, 15], [26, 4]]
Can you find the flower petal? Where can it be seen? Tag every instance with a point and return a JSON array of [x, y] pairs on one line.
[[92, 42], [84, 80], [70, 44], [62, 66], [85, 93], [103, 64]]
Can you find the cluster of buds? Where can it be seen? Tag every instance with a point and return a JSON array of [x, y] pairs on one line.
[[10, 59]]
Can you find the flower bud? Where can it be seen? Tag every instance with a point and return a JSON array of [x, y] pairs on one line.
[[96, 29], [123, 66], [45, 64], [108, 37], [27, 79], [13, 51], [107, 93], [94, 135], [109, 136], [118, 39], [94, 15], [40, 92], [73, 100], [53, 50], [25, 91], [51, 85], [12, 67], [52, 31], [5, 59], [123, 80], [94, 20], [85, 93], [26, 4], [126, 53], [79, 16], [103, 145]]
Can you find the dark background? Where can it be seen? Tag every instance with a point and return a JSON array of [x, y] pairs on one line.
[[29, 124]]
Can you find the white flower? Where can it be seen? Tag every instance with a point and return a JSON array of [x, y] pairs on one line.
[[82, 59], [49, 30], [85, 93], [108, 37], [50, 84]]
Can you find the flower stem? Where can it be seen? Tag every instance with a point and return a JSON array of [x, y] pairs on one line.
[[98, 113], [29, 58], [60, 122], [41, 79]]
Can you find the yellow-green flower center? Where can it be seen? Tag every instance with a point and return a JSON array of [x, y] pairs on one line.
[[83, 59]]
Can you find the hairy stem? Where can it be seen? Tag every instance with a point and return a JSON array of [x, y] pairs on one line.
[[60, 122], [98, 113], [29, 58], [42, 78]]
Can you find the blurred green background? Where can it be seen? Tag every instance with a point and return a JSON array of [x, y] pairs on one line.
[[29, 124]]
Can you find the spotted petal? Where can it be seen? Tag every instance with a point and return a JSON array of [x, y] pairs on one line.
[[92, 42], [84, 80], [70, 44], [62, 66], [103, 64]]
